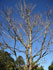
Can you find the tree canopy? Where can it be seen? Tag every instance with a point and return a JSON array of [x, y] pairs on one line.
[[20, 63], [6, 61], [51, 66]]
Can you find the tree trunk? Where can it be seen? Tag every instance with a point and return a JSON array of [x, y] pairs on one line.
[[30, 42], [30, 45], [27, 58]]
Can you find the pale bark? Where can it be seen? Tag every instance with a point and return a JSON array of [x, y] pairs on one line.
[[30, 41], [27, 58]]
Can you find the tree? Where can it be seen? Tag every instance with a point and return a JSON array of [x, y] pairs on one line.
[[20, 62], [30, 30], [37, 68], [52, 63], [51, 66], [41, 68], [6, 61]]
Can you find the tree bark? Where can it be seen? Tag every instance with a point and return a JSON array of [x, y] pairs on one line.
[[27, 58], [30, 45], [30, 42]]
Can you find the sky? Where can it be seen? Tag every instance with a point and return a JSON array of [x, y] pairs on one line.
[[41, 7]]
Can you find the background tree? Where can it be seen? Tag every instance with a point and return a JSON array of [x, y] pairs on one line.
[[38, 68], [29, 31], [6, 61], [20, 63], [51, 66], [41, 68]]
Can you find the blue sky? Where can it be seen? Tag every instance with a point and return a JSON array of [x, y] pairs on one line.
[[41, 7]]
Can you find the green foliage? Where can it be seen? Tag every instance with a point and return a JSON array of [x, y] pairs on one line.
[[6, 61], [51, 66], [20, 62], [40, 68], [52, 63], [37, 68]]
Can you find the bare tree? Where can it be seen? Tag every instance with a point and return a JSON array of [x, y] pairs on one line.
[[31, 31]]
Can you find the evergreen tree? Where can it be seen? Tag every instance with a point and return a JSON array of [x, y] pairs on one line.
[[6, 61], [51, 66]]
